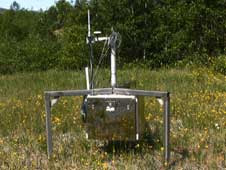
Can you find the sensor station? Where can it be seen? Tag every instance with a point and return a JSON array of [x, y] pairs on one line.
[[110, 113]]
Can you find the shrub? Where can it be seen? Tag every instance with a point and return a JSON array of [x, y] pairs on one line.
[[220, 64]]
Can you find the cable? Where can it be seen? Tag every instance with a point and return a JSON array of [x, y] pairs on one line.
[[103, 55], [115, 38]]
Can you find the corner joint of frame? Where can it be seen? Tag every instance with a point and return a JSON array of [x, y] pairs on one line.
[[47, 95], [167, 94]]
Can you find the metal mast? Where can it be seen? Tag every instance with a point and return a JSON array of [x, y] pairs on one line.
[[90, 38], [113, 58]]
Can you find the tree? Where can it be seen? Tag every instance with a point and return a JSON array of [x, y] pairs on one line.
[[15, 6]]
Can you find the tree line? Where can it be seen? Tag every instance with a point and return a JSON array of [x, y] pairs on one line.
[[155, 32]]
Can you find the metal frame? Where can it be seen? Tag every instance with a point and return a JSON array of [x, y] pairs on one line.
[[52, 96]]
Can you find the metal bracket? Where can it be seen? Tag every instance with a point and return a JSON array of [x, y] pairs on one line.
[[160, 100], [165, 96], [54, 100]]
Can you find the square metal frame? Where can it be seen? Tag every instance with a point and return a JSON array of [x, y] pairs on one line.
[[52, 96]]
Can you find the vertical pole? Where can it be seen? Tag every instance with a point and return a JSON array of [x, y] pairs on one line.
[[113, 65], [91, 50], [89, 30], [87, 78], [48, 125], [167, 128]]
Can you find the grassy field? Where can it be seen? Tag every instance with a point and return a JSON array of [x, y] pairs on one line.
[[198, 122]]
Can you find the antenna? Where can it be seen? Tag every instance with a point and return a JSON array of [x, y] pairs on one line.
[[89, 31]]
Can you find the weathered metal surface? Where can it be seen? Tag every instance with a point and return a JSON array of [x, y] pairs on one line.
[[111, 118], [121, 91], [140, 92], [114, 117], [48, 125], [166, 118]]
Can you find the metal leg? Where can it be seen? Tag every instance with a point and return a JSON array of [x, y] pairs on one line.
[[137, 120], [48, 125], [166, 129]]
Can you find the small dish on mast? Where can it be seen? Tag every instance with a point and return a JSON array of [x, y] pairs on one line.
[[97, 33]]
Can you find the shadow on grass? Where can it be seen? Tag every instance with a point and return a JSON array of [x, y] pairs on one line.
[[148, 142], [183, 152]]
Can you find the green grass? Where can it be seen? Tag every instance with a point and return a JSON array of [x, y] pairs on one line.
[[198, 124]]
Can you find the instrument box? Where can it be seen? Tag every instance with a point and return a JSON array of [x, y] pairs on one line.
[[115, 117]]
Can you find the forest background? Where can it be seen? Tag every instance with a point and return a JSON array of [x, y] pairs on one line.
[[154, 33]]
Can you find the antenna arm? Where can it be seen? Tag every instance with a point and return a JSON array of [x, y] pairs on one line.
[[97, 39]]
